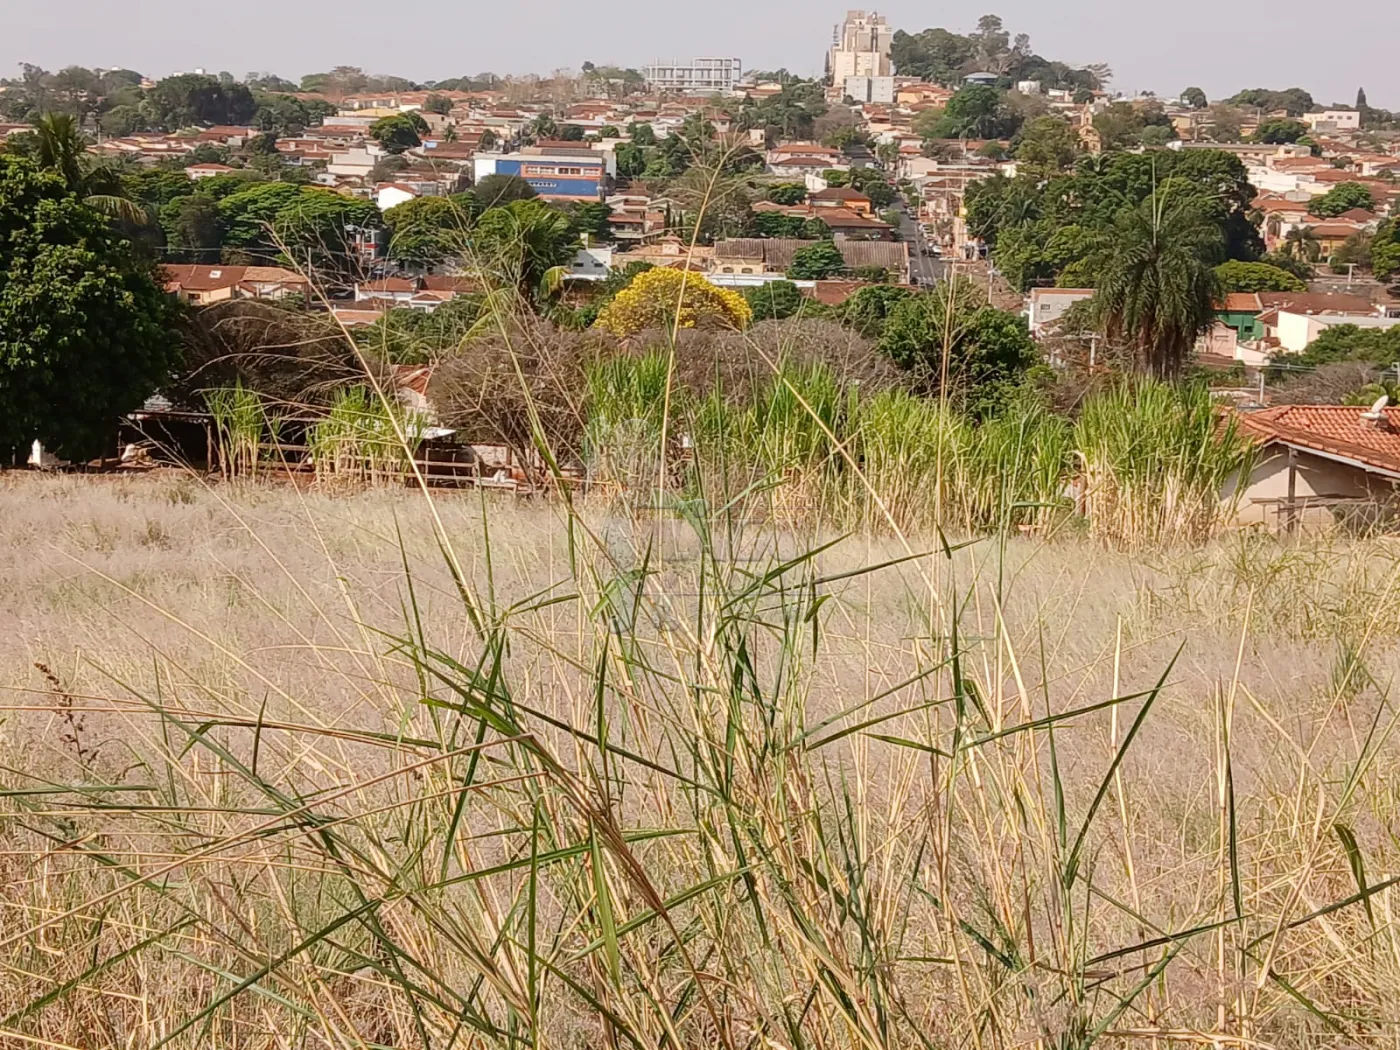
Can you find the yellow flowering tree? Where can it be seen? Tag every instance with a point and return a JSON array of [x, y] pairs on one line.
[[653, 298]]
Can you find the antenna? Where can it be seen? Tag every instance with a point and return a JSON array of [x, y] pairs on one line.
[[1377, 411]]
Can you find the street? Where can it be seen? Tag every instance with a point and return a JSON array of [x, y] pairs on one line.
[[925, 269]]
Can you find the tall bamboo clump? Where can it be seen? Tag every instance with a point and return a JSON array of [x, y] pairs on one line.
[[239, 422], [1154, 460], [359, 441], [623, 440]]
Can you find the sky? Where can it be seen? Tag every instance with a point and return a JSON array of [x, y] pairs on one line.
[[1219, 45]]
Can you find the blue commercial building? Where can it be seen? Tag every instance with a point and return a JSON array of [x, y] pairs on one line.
[[578, 175]]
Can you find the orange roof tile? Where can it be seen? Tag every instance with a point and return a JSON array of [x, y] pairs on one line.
[[1334, 430]]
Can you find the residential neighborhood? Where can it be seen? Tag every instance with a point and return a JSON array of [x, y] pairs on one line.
[[742, 526], [921, 160]]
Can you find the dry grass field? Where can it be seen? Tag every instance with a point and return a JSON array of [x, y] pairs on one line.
[[279, 770]]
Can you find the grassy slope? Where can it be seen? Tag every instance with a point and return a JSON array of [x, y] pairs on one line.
[[648, 798]]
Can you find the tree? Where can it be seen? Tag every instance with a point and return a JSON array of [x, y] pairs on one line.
[[427, 231], [819, 261], [1157, 287], [643, 135], [1293, 101], [774, 300], [1355, 251], [975, 111], [1361, 99], [1047, 144], [1385, 250], [986, 349], [437, 104], [867, 310], [399, 133], [1347, 342], [192, 227], [593, 218], [1195, 98], [1343, 197], [571, 132], [1236, 276], [1119, 126], [880, 192], [86, 330], [631, 160], [1276, 132], [57, 144], [666, 298], [494, 190], [522, 244], [934, 54], [189, 99], [786, 193]]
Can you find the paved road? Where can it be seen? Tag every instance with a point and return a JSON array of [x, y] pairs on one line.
[[927, 269]]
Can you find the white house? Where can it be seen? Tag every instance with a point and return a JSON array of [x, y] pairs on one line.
[[591, 264], [391, 194]]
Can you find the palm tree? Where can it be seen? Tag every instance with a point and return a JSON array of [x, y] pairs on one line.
[[1301, 243], [1157, 287], [59, 145]]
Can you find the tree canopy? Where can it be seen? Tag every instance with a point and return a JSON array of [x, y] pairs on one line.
[[1237, 276], [86, 331], [662, 298], [818, 261], [1343, 197]]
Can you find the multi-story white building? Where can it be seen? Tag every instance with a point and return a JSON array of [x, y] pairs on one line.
[[870, 89], [694, 75], [860, 47]]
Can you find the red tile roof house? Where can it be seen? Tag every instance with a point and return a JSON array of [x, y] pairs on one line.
[[1319, 466], [201, 285]]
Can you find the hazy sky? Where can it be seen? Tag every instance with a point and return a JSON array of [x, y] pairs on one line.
[[1220, 45]]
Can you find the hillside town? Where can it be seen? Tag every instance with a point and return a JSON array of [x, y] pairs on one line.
[[920, 161]]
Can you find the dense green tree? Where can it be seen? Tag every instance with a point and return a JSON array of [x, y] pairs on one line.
[[976, 111], [1195, 98], [880, 192], [776, 224], [494, 190], [1293, 101], [1343, 197], [818, 261], [522, 243], [427, 231], [1047, 144], [867, 310], [1347, 342], [1119, 126], [641, 134], [1385, 250], [775, 300], [593, 218], [1276, 132], [631, 160], [121, 121], [189, 99], [1236, 276], [986, 349], [788, 193], [86, 331], [399, 133], [934, 54], [249, 216], [316, 227], [193, 229], [570, 132], [57, 144], [437, 104], [1157, 287]]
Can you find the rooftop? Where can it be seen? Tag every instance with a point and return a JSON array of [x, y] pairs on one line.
[[1336, 431]]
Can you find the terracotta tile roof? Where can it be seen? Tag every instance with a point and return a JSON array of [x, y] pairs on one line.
[[1315, 302], [839, 193], [388, 284], [777, 252], [1334, 430], [1241, 302]]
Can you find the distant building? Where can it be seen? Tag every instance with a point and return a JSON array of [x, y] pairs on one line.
[[579, 175], [1048, 306], [860, 47], [701, 75], [1334, 120], [871, 89]]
